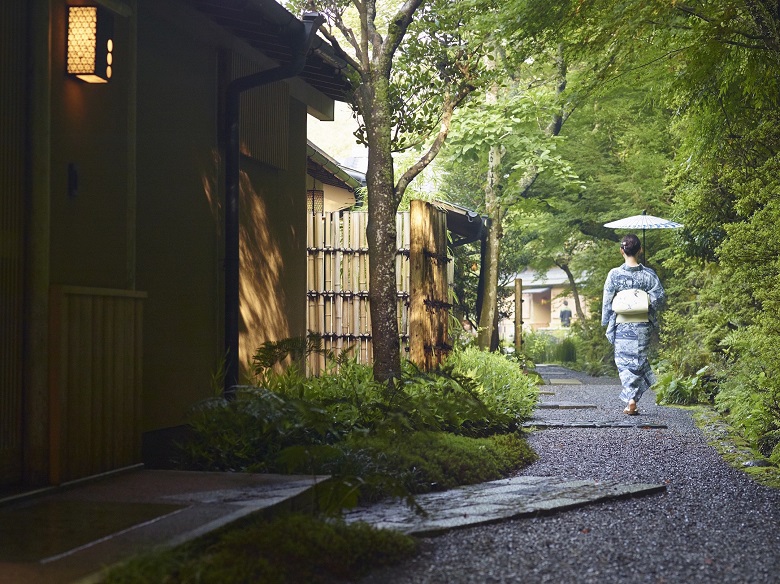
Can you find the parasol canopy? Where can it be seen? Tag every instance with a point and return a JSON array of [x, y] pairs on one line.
[[643, 222]]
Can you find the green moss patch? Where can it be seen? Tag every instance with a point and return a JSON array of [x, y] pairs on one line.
[[290, 548], [733, 447]]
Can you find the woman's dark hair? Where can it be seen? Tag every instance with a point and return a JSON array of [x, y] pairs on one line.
[[630, 245]]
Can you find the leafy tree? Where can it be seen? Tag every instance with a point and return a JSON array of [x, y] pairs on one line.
[[502, 134], [412, 64]]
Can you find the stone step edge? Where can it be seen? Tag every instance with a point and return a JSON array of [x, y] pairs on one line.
[[565, 406], [605, 424]]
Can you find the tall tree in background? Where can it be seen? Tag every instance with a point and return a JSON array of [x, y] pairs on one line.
[[511, 133], [619, 145], [412, 64]]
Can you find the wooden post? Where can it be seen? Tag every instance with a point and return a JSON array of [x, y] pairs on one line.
[[518, 315], [419, 332], [338, 275], [441, 287], [428, 311]]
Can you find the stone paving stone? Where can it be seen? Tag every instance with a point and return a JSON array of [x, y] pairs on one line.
[[564, 406], [492, 502], [563, 381], [546, 393], [593, 424]]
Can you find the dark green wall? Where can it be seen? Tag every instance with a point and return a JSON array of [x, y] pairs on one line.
[[180, 225], [89, 129]]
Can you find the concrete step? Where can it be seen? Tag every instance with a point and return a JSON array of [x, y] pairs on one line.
[[69, 534]]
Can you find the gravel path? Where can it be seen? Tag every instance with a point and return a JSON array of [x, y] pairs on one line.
[[713, 525]]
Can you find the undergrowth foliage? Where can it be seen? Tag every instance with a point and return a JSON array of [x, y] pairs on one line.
[[457, 425], [291, 548]]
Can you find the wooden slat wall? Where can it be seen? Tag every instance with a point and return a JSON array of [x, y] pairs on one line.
[[95, 380], [265, 117], [13, 121], [338, 307]]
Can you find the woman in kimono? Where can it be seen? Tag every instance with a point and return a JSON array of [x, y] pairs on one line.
[[630, 335]]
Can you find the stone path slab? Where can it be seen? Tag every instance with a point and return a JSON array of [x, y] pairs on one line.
[[564, 406], [563, 381], [643, 424], [493, 502]]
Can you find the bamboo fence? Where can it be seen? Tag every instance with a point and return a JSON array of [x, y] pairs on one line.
[[338, 285]]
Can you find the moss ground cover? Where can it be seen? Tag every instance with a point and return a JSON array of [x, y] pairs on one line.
[[733, 447], [290, 548]]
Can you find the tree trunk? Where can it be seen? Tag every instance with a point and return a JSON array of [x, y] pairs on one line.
[[489, 309], [576, 294], [381, 230]]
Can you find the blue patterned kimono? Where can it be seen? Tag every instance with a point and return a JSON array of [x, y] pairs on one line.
[[632, 339]]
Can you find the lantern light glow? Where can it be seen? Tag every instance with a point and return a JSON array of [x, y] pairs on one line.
[[90, 44]]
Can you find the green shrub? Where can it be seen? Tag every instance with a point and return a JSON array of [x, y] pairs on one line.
[[539, 346], [749, 395], [673, 390], [503, 387], [545, 347], [566, 351], [348, 425], [291, 548], [595, 355], [247, 433]]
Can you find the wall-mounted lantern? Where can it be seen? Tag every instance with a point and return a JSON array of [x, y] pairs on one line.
[[315, 201], [90, 43]]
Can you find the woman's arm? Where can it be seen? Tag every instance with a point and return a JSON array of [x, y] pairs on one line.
[[606, 299], [657, 294]]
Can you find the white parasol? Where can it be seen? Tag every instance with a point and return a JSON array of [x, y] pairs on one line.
[[643, 222]]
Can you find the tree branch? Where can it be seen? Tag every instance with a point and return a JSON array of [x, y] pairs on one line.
[[646, 64], [396, 31], [370, 35], [770, 42], [349, 34], [693, 12], [766, 18], [446, 120], [596, 230]]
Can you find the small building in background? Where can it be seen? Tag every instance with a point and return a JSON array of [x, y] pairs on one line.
[[330, 186], [544, 295]]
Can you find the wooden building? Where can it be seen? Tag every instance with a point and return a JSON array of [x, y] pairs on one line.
[[113, 202]]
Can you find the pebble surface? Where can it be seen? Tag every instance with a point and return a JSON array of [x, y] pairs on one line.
[[713, 525]]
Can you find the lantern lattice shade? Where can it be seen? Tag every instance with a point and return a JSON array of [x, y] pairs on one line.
[[315, 201], [90, 43]]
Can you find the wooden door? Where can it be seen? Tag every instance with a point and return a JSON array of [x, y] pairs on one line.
[[13, 119]]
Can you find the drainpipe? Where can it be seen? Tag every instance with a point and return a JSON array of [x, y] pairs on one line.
[[302, 45]]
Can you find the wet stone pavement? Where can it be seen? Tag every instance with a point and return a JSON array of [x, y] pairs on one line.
[[494, 501], [700, 520]]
